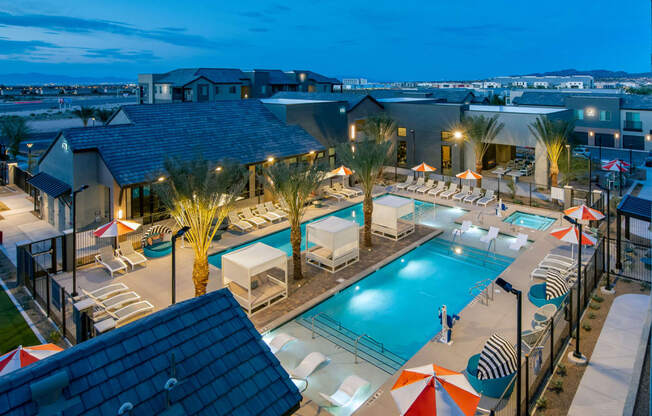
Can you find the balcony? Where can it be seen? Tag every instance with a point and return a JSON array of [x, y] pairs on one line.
[[632, 125]]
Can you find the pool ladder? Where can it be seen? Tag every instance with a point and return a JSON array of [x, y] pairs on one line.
[[483, 289]]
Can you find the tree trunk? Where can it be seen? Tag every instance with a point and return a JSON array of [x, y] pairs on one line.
[[367, 209], [478, 169], [554, 172], [200, 274], [295, 239]]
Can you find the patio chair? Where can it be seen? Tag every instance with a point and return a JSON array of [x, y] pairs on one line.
[[114, 303], [345, 393], [349, 193], [357, 191], [537, 295], [452, 188], [521, 241], [131, 256], [418, 184], [491, 235], [408, 182], [561, 259], [236, 222], [551, 264], [106, 291], [107, 259], [124, 315], [542, 273], [441, 185], [426, 187], [279, 342], [487, 198], [466, 191], [475, 195], [330, 192], [466, 226], [271, 208], [543, 314], [530, 337], [249, 216], [269, 216], [308, 365]]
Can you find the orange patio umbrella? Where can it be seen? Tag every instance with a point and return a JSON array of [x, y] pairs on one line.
[[469, 174], [424, 167], [116, 228], [23, 356], [434, 391], [582, 212], [571, 234], [341, 171]]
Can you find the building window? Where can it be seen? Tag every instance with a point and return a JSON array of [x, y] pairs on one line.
[[579, 114], [633, 142], [263, 89], [605, 115], [633, 121], [401, 153], [217, 90], [231, 90], [402, 132]]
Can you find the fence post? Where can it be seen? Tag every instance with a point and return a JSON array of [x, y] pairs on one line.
[[530, 193], [47, 292], [499, 186], [595, 268], [527, 383], [63, 311], [552, 346], [53, 255], [33, 275]]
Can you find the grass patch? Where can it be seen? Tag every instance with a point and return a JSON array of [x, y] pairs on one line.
[[13, 328]]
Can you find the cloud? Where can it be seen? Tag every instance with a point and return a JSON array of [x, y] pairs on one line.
[[116, 54], [174, 36], [17, 47]]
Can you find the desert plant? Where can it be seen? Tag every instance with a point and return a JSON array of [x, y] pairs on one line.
[[594, 306], [512, 188], [557, 386], [597, 298], [553, 135], [586, 326], [200, 197], [561, 370], [480, 131], [366, 158], [379, 127], [103, 114], [542, 403], [591, 315], [293, 184], [16, 130], [84, 113], [54, 336]]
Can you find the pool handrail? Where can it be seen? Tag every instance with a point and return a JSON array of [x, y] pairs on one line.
[[382, 347]]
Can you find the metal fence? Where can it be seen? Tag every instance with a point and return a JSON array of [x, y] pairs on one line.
[[635, 260], [20, 178], [543, 354]]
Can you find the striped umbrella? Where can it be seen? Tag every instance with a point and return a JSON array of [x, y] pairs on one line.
[[116, 228], [556, 285], [497, 359], [616, 165], [424, 167], [582, 212], [341, 171], [571, 234], [469, 174], [433, 390], [23, 356]]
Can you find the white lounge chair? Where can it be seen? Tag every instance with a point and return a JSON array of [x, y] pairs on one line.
[[521, 240], [466, 191], [348, 192], [279, 342], [543, 314], [418, 184], [240, 225], [114, 303], [271, 208], [107, 259], [491, 235], [330, 192], [269, 216], [441, 185], [562, 267], [542, 273], [487, 198], [452, 188], [308, 365], [408, 182], [475, 195], [561, 259], [347, 391], [106, 291], [466, 226], [249, 216], [131, 256], [124, 315], [426, 187]]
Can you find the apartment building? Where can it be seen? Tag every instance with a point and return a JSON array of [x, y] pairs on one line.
[[574, 81]]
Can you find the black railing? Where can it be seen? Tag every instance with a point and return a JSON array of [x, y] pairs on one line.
[[632, 125]]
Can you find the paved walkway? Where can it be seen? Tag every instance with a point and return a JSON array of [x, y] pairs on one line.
[[605, 384]]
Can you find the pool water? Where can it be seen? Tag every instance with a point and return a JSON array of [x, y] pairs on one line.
[[404, 296], [524, 219]]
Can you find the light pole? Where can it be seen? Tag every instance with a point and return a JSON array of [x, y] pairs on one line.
[[178, 234], [74, 239], [414, 146], [608, 287], [93, 118], [567, 164], [507, 287], [29, 156], [577, 354]]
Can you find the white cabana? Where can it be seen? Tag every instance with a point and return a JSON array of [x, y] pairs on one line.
[[388, 217], [254, 273], [335, 243]]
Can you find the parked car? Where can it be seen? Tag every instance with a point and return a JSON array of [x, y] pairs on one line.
[[581, 151]]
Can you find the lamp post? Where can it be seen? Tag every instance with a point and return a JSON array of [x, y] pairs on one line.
[[577, 354], [178, 234], [414, 146], [93, 118], [567, 164], [74, 239], [608, 286], [29, 156], [507, 287]]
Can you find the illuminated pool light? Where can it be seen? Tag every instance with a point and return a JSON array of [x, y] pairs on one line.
[[458, 250]]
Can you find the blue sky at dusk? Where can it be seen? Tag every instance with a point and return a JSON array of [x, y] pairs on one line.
[[395, 40]]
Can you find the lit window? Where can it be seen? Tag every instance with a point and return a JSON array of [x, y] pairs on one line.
[[579, 114], [605, 115], [342, 110], [402, 131]]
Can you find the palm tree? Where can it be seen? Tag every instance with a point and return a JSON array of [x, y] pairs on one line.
[[366, 158], [103, 115], [379, 127], [15, 129], [293, 184], [199, 197], [84, 113], [480, 131], [553, 135]]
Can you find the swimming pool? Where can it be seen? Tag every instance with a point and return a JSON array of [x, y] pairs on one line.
[[524, 219], [403, 298], [439, 216]]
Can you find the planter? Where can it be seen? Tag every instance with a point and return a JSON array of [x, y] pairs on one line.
[[161, 249]]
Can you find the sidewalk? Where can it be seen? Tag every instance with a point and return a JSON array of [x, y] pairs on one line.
[[604, 387]]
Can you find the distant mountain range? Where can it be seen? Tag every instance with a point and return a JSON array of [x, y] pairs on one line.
[[35, 78], [595, 73]]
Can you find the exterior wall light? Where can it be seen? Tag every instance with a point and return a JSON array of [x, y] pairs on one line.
[[458, 134], [270, 159], [161, 178]]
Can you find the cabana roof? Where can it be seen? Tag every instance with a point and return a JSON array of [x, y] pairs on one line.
[[393, 201], [332, 224], [635, 207], [256, 256]]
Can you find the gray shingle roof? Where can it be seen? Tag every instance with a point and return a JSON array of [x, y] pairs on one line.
[[49, 184], [636, 207], [221, 363], [319, 78], [352, 99], [636, 102], [181, 77], [553, 99], [244, 130], [442, 95], [278, 77]]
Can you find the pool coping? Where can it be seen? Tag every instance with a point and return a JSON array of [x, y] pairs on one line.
[[287, 317]]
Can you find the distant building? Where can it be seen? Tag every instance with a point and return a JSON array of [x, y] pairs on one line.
[[574, 81], [354, 81], [216, 84]]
